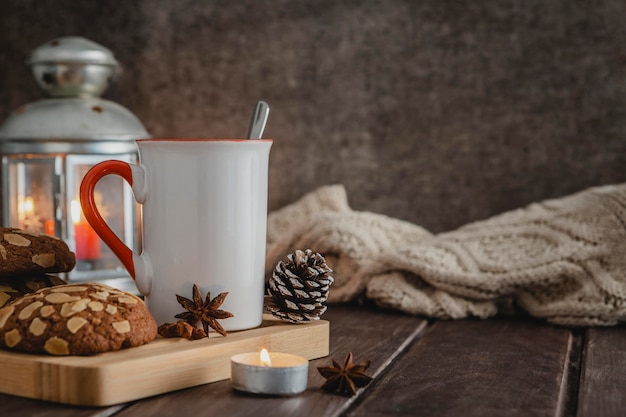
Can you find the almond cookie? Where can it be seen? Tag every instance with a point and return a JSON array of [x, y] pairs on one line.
[[23, 252], [15, 287], [75, 319]]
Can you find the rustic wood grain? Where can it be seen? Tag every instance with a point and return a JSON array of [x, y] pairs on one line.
[[477, 368], [470, 368], [603, 379], [369, 334], [11, 406]]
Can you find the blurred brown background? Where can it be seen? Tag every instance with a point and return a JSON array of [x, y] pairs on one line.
[[439, 112]]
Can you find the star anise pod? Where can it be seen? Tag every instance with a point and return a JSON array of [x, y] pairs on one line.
[[347, 379], [206, 311]]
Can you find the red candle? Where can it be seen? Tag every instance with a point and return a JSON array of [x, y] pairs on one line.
[[49, 227], [87, 241]]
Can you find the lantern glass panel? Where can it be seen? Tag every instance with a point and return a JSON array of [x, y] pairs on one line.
[[31, 186]]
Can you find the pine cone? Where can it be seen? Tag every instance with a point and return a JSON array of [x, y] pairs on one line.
[[299, 287]]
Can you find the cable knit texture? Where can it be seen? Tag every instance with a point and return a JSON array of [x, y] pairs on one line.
[[563, 260]]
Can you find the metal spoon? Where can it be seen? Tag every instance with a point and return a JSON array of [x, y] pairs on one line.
[[259, 119]]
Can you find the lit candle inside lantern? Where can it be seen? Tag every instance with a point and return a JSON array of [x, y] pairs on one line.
[[29, 220], [87, 241], [269, 373], [25, 211], [28, 207]]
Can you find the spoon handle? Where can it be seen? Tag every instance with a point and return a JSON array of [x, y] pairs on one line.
[[259, 119]]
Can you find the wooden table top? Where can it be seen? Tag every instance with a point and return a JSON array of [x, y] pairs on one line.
[[497, 367]]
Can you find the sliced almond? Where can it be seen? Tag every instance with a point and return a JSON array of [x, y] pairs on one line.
[[16, 240], [6, 288], [44, 260], [28, 310], [121, 326], [75, 323], [3, 252], [56, 346], [12, 338], [111, 309], [95, 306], [24, 299], [80, 305], [127, 300], [101, 286], [100, 295], [4, 297], [69, 288], [61, 297], [5, 313], [66, 310], [46, 311], [37, 327]]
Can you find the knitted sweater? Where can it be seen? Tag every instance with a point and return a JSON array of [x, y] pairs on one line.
[[563, 260]]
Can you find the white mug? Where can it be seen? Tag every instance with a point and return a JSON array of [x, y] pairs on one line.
[[204, 219]]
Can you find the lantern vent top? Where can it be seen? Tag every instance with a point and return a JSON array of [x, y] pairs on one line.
[[72, 66], [72, 72]]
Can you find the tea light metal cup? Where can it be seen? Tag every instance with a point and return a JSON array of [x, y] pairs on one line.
[[269, 373]]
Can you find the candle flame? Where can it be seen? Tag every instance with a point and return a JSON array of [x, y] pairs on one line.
[[75, 211], [29, 206], [265, 358], [26, 206]]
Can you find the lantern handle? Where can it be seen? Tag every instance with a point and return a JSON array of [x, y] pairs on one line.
[[138, 266]]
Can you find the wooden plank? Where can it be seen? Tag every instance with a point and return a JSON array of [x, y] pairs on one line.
[[603, 377], [370, 334], [12, 406], [477, 368], [158, 367]]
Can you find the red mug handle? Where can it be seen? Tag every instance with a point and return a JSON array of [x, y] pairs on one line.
[[93, 216]]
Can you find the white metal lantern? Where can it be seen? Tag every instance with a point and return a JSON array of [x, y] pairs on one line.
[[47, 147]]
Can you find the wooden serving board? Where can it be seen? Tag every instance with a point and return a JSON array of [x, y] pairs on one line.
[[161, 366]]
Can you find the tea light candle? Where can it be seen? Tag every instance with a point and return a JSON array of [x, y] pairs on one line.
[[269, 373]]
